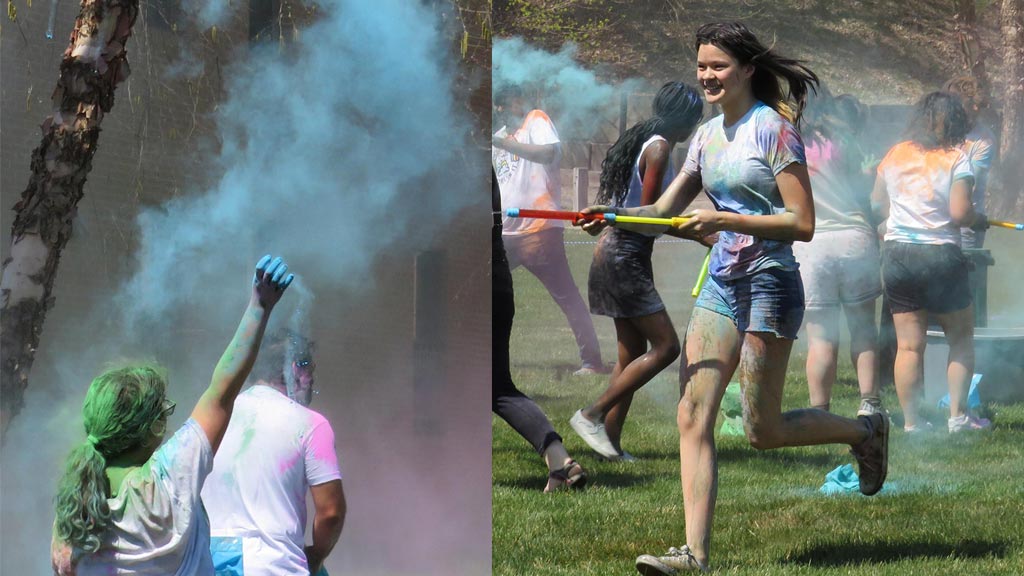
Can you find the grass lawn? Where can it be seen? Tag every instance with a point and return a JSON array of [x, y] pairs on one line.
[[952, 505]]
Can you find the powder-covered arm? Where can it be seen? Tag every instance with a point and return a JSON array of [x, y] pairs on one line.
[[677, 197], [539, 153], [213, 411], [795, 224]]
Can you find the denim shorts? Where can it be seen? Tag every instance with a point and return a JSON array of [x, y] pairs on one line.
[[771, 300]]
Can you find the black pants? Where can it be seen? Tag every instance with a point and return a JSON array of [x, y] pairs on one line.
[[514, 407]]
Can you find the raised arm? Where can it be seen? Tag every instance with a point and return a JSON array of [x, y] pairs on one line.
[[328, 520], [795, 224], [213, 411]]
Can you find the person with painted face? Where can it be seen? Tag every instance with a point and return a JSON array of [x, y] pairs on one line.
[[923, 194], [750, 163], [275, 451], [129, 505], [525, 155], [635, 172]]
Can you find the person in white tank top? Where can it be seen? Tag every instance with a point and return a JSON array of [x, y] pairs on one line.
[[635, 172]]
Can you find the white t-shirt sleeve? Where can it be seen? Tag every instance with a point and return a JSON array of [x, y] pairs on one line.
[[184, 462], [542, 131], [691, 165], [962, 168], [320, 455], [983, 155], [780, 145]]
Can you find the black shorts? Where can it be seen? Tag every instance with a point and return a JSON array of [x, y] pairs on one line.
[[930, 277]]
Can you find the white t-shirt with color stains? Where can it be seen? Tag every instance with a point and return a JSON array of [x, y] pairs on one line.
[[527, 184], [918, 182], [273, 451], [159, 525], [737, 166]]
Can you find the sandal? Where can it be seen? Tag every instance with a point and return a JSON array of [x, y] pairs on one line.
[[571, 476]]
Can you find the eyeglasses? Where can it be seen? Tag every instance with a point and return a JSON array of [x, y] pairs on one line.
[[168, 408], [308, 364]]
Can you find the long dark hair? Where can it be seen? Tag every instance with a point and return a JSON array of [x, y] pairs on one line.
[[939, 121], [769, 67], [677, 109]]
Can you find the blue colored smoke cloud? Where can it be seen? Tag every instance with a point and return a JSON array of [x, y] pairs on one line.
[[576, 98], [325, 150]]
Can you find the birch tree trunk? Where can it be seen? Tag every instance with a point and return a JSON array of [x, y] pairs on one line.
[[92, 66], [1011, 149]]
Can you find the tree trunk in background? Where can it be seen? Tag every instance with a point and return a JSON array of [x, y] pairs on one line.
[[966, 20], [1011, 149], [93, 64]]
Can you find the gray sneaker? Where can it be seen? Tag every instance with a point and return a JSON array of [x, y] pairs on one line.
[[678, 560], [593, 434], [873, 454]]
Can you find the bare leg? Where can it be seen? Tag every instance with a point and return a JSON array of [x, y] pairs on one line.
[[959, 329], [556, 456], [634, 370], [762, 375], [864, 346], [631, 345], [822, 354], [910, 341], [709, 361]]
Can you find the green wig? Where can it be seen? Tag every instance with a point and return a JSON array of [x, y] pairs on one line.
[[119, 410]]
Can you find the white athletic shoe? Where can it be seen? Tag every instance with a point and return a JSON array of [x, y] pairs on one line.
[[966, 422], [678, 560], [593, 434]]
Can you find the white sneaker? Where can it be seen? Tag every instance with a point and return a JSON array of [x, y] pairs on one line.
[[677, 561], [966, 423], [593, 434]]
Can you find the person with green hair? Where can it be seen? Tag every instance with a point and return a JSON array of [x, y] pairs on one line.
[[126, 503]]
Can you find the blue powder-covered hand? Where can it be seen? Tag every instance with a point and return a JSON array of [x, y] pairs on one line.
[[270, 281]]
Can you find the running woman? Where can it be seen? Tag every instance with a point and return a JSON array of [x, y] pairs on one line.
[[635, 172], [750, 162]]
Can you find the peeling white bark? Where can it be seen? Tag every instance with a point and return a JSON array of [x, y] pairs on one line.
[[22, 276]]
